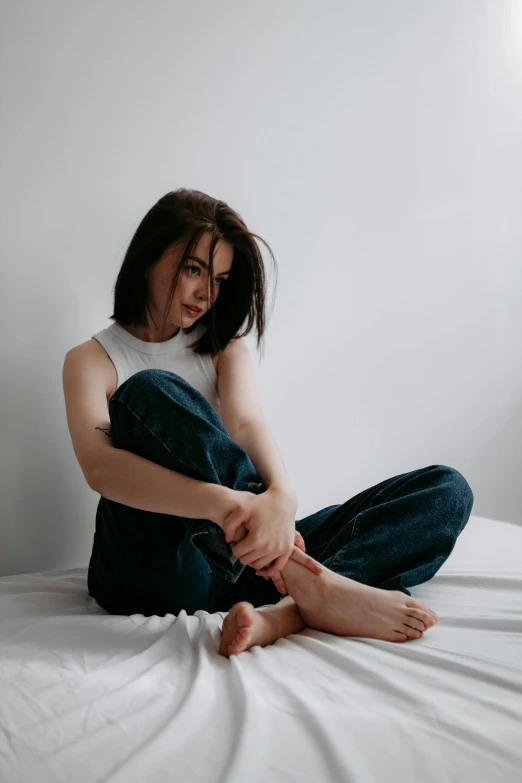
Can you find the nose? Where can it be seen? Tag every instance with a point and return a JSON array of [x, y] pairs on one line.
[[202, 295]]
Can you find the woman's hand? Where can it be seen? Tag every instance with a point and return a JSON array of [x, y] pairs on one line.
[[269, 519], [268, 570], [276, 576]]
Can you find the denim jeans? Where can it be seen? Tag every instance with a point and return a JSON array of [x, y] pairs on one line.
[[393, 535]]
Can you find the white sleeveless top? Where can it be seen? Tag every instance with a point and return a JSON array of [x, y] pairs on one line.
[[129, 355]]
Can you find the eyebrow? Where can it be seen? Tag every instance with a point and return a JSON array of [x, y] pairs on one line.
[[204, 263]]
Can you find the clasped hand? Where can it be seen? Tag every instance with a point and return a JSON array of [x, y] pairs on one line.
[[271, 539]]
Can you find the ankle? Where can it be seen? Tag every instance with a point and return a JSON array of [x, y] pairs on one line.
[[303, 585], [285, 616]]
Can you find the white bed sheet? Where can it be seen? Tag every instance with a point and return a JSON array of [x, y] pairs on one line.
[[88, 696]]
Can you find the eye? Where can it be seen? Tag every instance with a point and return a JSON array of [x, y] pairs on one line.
[[192, 267], [198, 269]]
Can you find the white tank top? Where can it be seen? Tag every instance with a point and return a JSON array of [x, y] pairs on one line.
[[129, 355]]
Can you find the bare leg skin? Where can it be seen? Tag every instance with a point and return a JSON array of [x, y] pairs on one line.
[[326, 602], [335, 604], [244, 626]]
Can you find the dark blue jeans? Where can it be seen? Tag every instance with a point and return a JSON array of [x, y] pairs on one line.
[[393, 535]]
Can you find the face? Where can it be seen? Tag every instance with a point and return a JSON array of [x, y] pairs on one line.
[[194, 287]]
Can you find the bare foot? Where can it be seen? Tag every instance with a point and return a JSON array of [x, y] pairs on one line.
[[244, 627], [333, 603]]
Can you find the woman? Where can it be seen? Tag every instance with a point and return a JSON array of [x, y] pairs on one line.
[[196, 509]]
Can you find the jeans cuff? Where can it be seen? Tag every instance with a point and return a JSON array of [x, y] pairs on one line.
[[255, 486], [210, 541]]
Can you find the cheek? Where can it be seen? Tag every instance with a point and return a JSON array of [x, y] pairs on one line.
[[182, 287]]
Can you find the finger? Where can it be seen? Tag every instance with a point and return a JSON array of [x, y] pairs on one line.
[[260, 564], [281, 561], [253, 557], [299, 543], [278, 580], [278, 565], [264, 571], [303, 559], [246, 546], [274, 566], [280, 583], [249, 558], [240, 534], [231, 524]]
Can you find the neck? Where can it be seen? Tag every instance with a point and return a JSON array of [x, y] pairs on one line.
[[152, 335]]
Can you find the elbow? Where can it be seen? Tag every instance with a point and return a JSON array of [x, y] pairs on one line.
[[92, 479], [237, 428]]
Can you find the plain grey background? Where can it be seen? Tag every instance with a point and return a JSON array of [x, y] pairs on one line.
[[375, 145]]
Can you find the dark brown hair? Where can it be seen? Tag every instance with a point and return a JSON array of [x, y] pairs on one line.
[[179, 219]]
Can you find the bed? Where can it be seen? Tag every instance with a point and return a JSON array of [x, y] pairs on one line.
[[87, 696]]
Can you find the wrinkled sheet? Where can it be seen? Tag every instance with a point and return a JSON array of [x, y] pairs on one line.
[[88, 696]]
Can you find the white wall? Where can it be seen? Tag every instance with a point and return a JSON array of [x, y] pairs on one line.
[[375, 145]]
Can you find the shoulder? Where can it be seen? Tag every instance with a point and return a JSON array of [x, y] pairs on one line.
[[237, 387], [93, 355], [89, 348], [234, 348], [237, 346], [234, 357]]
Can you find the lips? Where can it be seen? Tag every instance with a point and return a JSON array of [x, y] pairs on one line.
[[195, 309]]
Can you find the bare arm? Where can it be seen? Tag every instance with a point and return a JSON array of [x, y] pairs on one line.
[[243, 416], [134, 481], [257, 440], [121, 475]]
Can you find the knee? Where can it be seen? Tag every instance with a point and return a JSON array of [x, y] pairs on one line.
[[457, 491], [143, 381], [152, 376], [140, 398]]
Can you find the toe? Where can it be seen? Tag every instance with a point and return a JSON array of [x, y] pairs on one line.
[[236, 645], [237, 628], [414, 623], [244, 613], [422, 605], [239, 643], [431, 613], [412, 633], [424, 608], [425, 617]]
